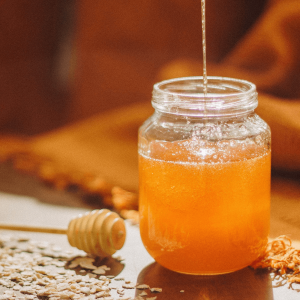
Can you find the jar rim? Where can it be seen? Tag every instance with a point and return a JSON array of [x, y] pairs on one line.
[[226, 96]]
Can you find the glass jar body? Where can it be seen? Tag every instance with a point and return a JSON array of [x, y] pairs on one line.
[[204, 190]]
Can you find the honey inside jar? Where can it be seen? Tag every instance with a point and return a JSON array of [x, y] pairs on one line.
[[204, 187], [205, 218]]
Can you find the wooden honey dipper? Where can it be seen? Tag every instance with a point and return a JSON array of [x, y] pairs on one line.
[[99, 232]]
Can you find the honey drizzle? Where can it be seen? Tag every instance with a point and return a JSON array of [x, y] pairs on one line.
[[204, 47]]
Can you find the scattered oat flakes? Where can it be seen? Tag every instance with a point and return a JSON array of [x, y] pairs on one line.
[[182, 291], [142, 286], [22, 238], [84, 262], [87, 264], [17, 287], [120, 292], [34, 275], [156, 290], [27, 290], [128, 286], [99, 271], [73, 264], [85, 290], [143, 293]]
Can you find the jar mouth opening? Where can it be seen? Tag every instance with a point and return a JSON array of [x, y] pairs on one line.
[[185, 95]]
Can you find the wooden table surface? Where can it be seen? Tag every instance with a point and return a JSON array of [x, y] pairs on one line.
[[25, 201]]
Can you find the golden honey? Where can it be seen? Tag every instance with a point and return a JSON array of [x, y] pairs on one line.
[[204, 176], [205, 218]]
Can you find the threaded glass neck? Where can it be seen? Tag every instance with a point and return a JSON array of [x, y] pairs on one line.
[[226, 97]]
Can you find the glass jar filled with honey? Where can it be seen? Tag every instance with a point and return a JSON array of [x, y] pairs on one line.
[[204, 176]]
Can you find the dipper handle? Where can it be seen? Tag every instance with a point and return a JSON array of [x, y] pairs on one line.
[[99, 232]]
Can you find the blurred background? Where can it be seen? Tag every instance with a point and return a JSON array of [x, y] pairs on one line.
[[63, 61], [77, 75]]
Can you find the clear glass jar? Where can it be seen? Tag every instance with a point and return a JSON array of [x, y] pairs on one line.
[[204, 176]]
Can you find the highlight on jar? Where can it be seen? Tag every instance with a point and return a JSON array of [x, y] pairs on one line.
[[204, 176]]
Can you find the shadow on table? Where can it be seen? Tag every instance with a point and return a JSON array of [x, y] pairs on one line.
[[112, 267], [244, 284]]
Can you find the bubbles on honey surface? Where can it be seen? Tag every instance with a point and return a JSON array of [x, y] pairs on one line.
[[197, 150]]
